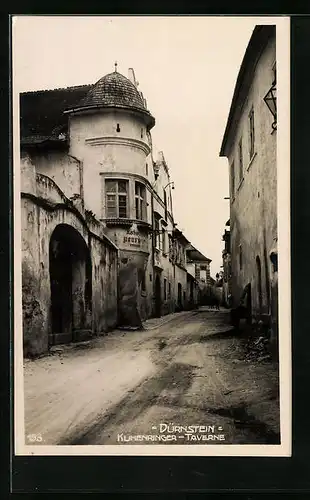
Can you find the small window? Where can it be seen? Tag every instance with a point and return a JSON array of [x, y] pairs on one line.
[[118, 128], [169, 289], [163, 237], [146, 169], [165, 289], [232, 177], [197, 272], [140, 201], [252, 132], [240, 161], [170, 247], [150, 277], [240, 257], [142, 133]]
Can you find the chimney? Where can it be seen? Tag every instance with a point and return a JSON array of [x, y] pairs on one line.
[[132, 77]]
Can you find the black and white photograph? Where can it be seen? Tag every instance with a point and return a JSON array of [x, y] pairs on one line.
[[151, 235]]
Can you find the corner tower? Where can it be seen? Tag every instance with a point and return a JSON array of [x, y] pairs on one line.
[[109, 133]]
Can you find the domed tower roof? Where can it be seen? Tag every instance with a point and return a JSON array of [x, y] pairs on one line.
[[115, 91]]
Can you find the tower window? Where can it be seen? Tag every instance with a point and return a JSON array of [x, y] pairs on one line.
[[140, 201], [240, 257], [116, 198], [146, 169], [142, 133], [118, 128]]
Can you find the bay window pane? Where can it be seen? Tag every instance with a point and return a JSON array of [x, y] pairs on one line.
[[137, 209], [111, 205], [110, 186], [122, 186], [122, 206]]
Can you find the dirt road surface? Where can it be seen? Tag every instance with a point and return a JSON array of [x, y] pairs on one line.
[[188, 371]]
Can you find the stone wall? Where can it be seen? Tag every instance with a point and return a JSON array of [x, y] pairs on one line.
[[44, 208]]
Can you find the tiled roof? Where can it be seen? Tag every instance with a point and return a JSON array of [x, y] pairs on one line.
[[41, 112], [194, 255], [114, 90]]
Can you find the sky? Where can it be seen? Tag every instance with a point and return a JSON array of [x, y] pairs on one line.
[[187, 69]]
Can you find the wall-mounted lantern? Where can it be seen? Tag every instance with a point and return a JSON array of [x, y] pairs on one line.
[[271, 102], [169, 183]]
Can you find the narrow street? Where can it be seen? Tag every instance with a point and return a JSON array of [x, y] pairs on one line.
[[185, 371]]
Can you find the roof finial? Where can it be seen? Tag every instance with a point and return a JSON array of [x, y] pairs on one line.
[[115, 64]]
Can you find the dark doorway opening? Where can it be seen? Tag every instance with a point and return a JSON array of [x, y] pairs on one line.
[[157, 297], [71, 284], [179, 297], [259, 284]]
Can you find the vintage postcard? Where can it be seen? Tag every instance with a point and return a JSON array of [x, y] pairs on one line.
[[151, 235]]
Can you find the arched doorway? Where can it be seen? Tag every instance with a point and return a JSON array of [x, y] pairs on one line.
[[157, 296], [259, 283], [71, 284]]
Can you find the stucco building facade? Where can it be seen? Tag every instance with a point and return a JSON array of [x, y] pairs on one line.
[[100, 245], [200, 266], [250, 144]]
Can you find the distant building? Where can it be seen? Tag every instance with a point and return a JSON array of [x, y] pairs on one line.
[[250, 143], [201, 266], [99, 242]]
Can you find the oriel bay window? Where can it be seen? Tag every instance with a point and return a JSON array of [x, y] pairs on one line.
[[140, 201], [116, 198]]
